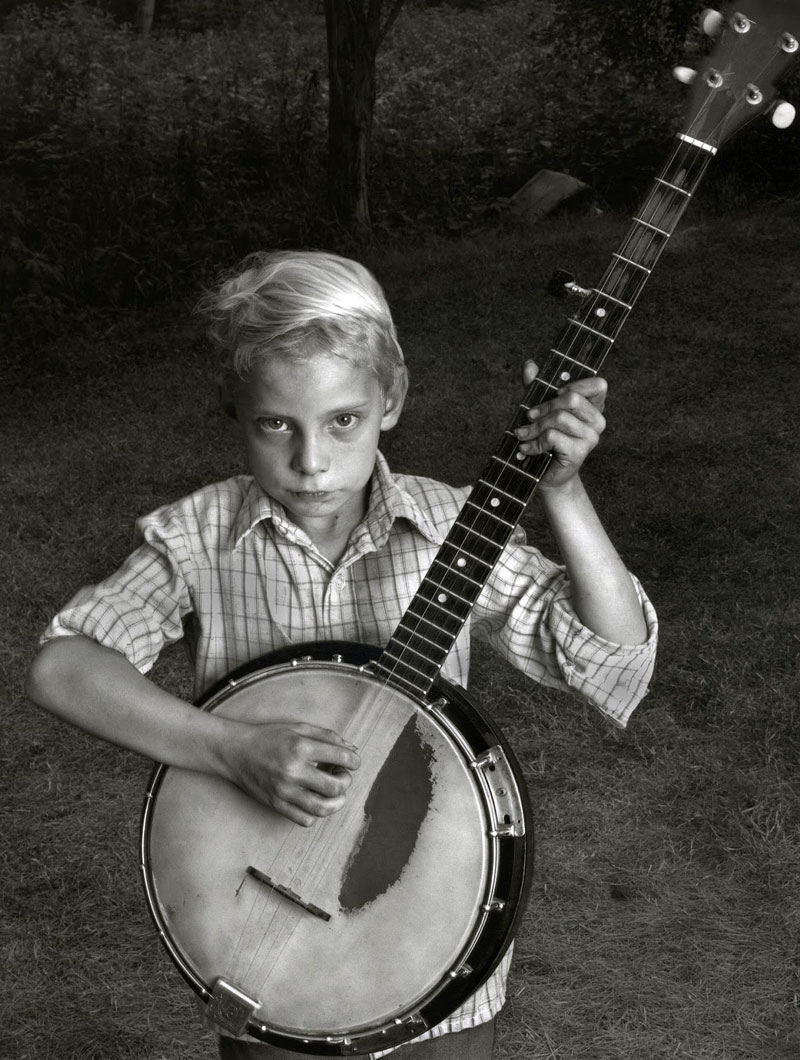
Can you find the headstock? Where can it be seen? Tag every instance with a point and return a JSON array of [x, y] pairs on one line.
[[757, 41]]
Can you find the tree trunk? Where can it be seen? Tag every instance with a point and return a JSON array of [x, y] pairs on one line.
[[145, 16], [352, 48]]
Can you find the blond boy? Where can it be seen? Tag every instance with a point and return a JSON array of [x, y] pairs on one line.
[[321, 541]]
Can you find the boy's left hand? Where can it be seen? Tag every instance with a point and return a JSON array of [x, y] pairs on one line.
[[568, 425]]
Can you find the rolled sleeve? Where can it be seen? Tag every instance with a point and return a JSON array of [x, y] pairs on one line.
[[140, 608], [525, 612]]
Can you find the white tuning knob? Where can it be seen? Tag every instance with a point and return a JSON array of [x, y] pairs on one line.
[[711, 22], [684, 74], [783, 114]]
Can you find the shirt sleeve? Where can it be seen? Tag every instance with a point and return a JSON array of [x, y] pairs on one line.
[[525, 612], [140, 608]]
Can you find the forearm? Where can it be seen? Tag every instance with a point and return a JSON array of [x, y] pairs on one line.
[[98, 690], [300, 770], [603, 594]]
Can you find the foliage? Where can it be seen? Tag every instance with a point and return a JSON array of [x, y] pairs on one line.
[[131, 162], [134, 168]]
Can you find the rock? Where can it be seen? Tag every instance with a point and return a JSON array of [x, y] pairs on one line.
[[543, 193]]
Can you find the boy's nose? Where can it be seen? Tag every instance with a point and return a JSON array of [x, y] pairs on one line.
[[310, 456]]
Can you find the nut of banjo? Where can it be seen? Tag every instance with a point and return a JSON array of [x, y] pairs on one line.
[[231, 1008]]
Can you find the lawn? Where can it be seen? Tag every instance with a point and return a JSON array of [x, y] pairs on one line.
[[664, 919]]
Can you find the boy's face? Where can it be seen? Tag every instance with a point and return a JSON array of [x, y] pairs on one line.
[[311, 431]]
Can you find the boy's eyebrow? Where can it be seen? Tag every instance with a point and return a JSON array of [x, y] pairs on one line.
[[352, 406]]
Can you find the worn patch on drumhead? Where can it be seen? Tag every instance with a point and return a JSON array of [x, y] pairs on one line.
[[397, 805]]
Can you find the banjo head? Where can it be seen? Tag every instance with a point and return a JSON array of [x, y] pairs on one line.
[[371, 925]]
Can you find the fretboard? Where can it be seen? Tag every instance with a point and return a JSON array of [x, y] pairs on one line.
[[438, 612]]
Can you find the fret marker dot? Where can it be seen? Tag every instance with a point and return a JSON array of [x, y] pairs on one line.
[[599, 312], [564, 376], [461, 562], [442, 598], [494, 502]]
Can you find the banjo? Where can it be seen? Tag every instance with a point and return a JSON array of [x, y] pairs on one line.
[[364, 931]]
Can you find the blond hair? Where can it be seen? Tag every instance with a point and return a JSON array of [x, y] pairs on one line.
[[301, 304]]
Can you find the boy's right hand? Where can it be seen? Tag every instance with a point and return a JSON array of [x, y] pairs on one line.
[[299, 770]]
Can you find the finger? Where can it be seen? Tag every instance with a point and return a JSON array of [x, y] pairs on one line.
[[294, 813], [332, 756], [593, 388], [330, 782], [306, 807], [580, 424], [324, 747], [587, 406], [529, 371], [565, 447]]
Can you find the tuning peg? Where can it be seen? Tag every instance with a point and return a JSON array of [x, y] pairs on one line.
[[684, 74], [711, 22], [783, 114]]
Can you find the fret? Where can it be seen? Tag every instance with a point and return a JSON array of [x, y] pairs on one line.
[[396, 679], [539, 381], [404, 663], [439, 609], [495, 488], [402, 628], [482, 543], [460, 555], [514, 467], [476, 533], [653, 228], [430, 622], [594, 331], [459, 574], [580, 364], [485, 511], [449, 595], [635, 264], [611, 298], [674, 187]]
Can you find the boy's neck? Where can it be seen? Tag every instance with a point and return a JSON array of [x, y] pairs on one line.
[[331, 534]]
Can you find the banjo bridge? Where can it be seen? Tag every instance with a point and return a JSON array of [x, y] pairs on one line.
[[288, 893]]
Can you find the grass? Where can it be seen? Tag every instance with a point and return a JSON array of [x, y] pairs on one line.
[[664, 915]]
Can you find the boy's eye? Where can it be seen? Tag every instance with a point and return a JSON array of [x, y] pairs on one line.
[[346, 419], [272, 423]]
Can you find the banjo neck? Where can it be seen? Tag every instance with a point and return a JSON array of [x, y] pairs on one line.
[[733, 85], [441, 606]]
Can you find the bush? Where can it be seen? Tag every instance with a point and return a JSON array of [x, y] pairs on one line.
[[131, 162]]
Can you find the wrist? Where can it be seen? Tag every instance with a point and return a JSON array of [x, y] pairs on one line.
[[560, 493], [223, 743]]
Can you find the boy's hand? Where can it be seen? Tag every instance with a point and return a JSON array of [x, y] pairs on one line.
[[569, 425], [299, 770]]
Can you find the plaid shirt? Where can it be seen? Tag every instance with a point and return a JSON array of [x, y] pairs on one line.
[[227, 567]]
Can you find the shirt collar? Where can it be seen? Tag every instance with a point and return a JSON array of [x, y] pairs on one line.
[[388, 501]]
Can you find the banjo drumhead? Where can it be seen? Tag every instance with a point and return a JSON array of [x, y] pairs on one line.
[[366, 912]]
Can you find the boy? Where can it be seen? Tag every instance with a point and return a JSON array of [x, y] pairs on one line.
[[320, 541]]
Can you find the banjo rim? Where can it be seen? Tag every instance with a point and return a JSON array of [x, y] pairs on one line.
[[511, 857]]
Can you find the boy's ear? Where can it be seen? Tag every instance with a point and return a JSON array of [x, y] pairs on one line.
[[392, 408]]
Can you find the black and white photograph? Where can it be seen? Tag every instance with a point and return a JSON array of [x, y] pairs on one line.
[[400, 518]]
